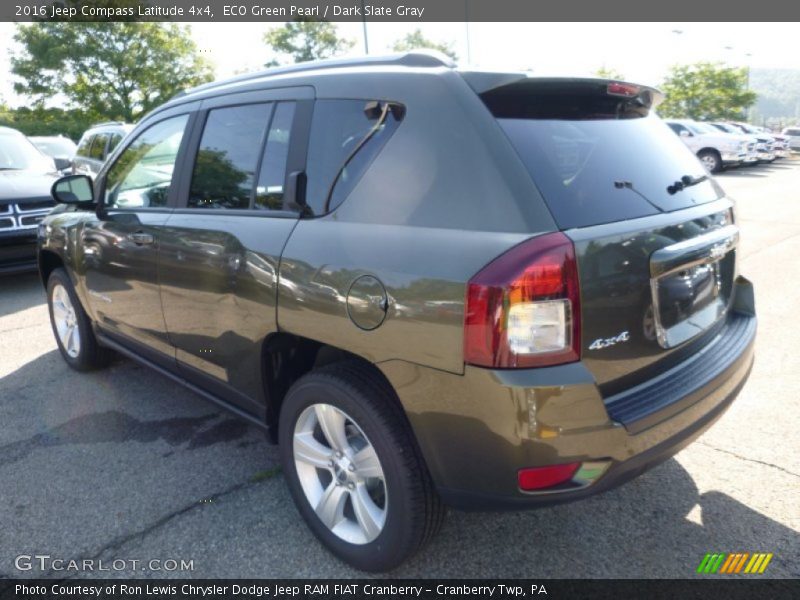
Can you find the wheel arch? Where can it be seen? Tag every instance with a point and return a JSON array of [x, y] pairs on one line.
[[710, 149], [286, 357], [48, 262]]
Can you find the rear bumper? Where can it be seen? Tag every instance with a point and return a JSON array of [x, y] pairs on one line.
[[17, 252], [477, 430]]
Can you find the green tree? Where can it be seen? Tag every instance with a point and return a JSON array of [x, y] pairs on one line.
[[706, 91], [113, 70], [416, 41], [40, 120], [609, 73], [304, 40]]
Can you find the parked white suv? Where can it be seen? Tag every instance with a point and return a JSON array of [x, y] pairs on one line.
[[753, 145], [766, 142], [715, 149]]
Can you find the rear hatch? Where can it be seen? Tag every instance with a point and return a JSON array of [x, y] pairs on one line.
[[654, 235]]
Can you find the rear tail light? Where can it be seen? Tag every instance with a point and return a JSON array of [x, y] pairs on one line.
[[539, 478], [523, 309], [616, 88]]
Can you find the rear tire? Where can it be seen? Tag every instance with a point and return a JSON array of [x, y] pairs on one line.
[[385, 507], [711, 160], [72, 327]]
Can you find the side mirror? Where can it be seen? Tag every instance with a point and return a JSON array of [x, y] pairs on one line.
[[684, 133], [62, 163], [73, 189]]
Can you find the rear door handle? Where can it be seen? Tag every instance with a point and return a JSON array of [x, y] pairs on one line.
[[140, 238]]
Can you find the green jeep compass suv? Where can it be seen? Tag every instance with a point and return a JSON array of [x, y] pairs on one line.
[[430, 286]]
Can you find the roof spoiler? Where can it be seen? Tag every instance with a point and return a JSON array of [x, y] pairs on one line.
[[486, 81]]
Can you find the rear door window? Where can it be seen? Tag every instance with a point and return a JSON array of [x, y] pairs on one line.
[[225, 167], [272, 173], [596, 158], [346, 136]]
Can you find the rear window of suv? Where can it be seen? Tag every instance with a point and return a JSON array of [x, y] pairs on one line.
[[346, 136], [596, 157]]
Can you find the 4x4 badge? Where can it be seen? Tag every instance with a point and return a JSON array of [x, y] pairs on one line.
[[601, 343]]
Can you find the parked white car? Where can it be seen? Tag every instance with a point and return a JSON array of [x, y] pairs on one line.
[[780, 143], [793, 133], [766, 142], [715, 149]]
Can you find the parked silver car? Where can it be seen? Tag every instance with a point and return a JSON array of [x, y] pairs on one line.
[[96, 144]]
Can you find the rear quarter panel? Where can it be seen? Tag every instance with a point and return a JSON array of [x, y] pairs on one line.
[[446, 195]]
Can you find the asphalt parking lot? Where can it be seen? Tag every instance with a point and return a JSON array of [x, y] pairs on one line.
[[124, 464]]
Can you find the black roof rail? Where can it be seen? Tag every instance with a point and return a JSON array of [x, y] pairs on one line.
[[414, 58]]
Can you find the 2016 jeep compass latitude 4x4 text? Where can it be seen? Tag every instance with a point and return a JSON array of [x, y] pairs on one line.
[[431, 287]]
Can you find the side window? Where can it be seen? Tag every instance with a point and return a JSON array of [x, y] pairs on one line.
[[142, 174], [116, 138], [271, 175], [677, 128], [226, 162], [98, 146], [84, 145], [346, 135]]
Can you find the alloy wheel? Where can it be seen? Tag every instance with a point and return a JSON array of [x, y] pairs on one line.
[[709, 162], [340, 473], [66, 321]]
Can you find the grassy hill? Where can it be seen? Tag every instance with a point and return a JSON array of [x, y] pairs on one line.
[[778, 95]]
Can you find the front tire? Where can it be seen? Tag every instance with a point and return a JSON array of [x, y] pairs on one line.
[[711, 160], [72, 327], [353, 467]]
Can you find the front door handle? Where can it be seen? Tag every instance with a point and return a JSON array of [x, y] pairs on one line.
[[140, 238]]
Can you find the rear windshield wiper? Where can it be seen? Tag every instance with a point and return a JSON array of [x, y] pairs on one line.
[[685, 182], [627, 185]]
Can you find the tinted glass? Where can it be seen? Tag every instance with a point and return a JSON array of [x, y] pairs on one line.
[[676, 127], [116, 138], [596, 171], [228, 156], [98, 146], [792, 132], [346, 135], [271, 176], [142, 174]]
